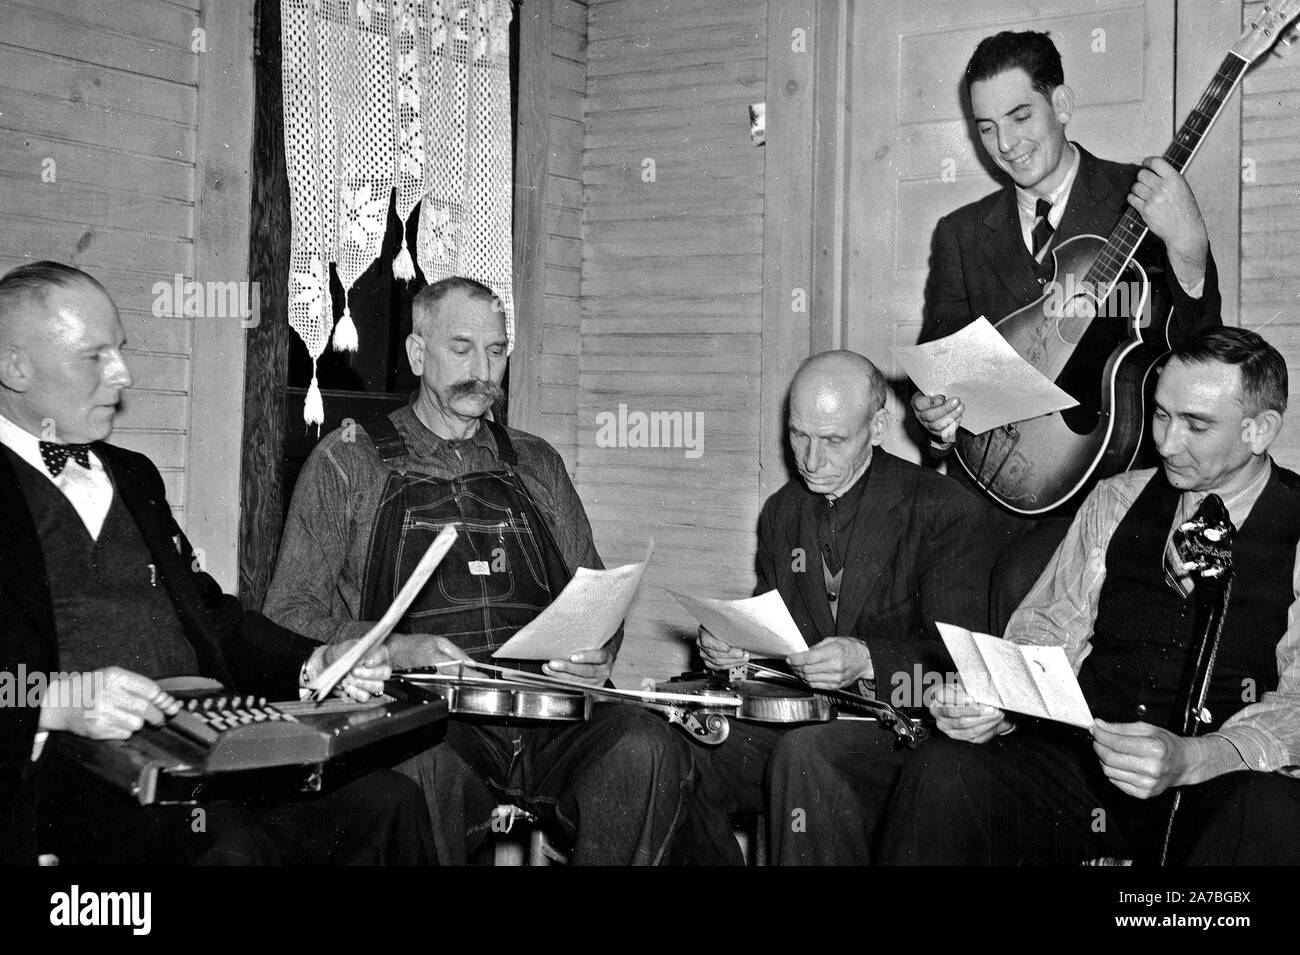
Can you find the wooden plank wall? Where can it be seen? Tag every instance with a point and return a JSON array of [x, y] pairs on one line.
[[1270, 216], [671, 300], [107, 93], [562, 229], [548, 221]]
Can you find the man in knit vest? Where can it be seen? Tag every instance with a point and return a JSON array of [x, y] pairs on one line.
[[99, 587], [1008, 790]]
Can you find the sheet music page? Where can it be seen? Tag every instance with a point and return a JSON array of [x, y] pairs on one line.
[[584, 616], [977, 365], [762, 625], [336, 671], [1036, 681]]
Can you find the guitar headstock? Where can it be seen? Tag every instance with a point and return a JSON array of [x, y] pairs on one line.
[[1204, 541], [1273, 24]]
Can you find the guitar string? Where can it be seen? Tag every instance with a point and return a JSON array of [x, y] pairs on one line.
[[1130, 231]]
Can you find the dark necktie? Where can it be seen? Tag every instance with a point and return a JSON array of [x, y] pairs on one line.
[[1042, 227], [56, 456]]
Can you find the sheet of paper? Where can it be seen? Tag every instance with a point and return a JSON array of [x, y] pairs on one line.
[[1051, 670], [965, 654], [977, 365], [584, 616], [762, 625], [1037, 681], [377, 634], [1010, 673]]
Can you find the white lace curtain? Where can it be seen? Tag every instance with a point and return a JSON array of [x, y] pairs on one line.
[[412, 95]]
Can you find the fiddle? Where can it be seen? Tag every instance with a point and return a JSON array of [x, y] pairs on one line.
[[1204, 545], [468, 695], [773, 696], [517, 695]]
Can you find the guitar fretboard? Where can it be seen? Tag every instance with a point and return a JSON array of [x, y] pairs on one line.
[[1131, 230]]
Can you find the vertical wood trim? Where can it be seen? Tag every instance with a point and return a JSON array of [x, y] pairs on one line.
[[832, 110], [267, 346], [222, 158], [787, 226], [1204, 33], [531, 156]]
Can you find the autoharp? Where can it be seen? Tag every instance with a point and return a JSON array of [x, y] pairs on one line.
[[221, 745]]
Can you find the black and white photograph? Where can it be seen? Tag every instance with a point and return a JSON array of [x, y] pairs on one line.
[[725, 435]]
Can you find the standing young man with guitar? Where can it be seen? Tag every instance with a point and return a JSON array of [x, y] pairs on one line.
[[994, 256]]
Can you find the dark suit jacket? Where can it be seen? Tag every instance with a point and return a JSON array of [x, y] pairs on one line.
[[911, 561], [979, 264], [241, 649]]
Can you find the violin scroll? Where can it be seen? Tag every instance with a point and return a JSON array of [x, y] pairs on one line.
[[1204, 541], [711, 729]]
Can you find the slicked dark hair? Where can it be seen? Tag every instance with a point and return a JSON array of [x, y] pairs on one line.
[[34, 282], [1030, 51], [1264, 385], [427, 299]]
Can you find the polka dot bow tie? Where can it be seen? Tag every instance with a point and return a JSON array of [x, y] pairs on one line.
[[56, 456]]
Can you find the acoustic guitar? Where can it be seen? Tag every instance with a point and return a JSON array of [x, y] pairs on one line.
[[1099, 334]]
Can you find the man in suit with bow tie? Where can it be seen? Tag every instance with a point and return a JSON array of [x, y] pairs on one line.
[[993, 256], [100, 590], [868, 552]]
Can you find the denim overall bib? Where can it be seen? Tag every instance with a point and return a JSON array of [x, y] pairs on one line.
[[503, 569]]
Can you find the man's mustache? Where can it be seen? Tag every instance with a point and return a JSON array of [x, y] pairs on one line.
[[476, 386]]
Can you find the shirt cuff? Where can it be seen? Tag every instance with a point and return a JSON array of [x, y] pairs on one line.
[[1256, 749], [305, 674], [38, 744]]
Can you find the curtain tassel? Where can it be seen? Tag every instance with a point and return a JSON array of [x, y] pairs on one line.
[[345, 332], [403, 267], [313, 409]]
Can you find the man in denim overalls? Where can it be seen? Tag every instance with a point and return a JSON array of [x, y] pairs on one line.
[[367, 505]]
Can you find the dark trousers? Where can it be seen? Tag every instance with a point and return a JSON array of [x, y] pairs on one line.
[[1039, 797], [378, 819], [824, 788], [618, 785]]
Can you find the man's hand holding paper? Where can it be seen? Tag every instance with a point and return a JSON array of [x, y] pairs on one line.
[[717, 654], [959, 716], [1022, 678], [761, 625], [572, 632], [591, 666], [995, 384], [833, 663]]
